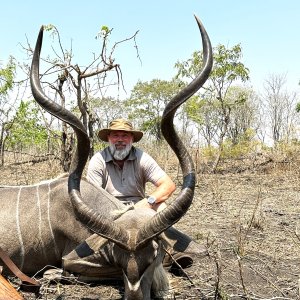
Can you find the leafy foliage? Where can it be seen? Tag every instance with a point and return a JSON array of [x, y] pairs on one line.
[[7, 77], [245, 145], [104, 32], [227, 65], [106, 109], [147, 102], [212, 110], [25, 129]]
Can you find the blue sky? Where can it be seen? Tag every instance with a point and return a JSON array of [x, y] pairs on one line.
[[268, 31]]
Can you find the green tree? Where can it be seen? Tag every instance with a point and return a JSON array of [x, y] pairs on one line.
[[243, 115], [25, 129], [227, 69], [205, 116], [147, 102], [106, 109], [7, 75]]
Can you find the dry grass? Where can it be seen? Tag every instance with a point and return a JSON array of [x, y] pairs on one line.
[[250, 223]]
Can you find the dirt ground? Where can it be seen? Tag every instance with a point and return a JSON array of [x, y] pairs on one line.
[[249, 222]]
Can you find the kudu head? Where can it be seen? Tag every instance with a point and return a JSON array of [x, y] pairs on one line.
[[134, 237]]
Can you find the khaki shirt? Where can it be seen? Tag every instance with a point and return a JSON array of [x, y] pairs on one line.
[[127, 184]]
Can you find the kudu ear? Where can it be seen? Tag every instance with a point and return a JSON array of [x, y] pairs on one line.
[[172, 213]]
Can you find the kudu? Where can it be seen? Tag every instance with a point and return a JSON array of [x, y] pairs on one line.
[[43, 222]]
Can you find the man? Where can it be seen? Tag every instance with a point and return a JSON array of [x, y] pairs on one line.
[[123, 170]]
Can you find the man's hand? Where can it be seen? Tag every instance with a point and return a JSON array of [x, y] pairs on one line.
[[159, 206], [144, 204]]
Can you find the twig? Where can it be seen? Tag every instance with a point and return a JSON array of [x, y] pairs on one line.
[[269, 281], [290, 234], [241, 276], [183, 272]]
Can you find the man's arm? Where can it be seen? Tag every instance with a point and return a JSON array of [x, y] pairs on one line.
[[164, 189]]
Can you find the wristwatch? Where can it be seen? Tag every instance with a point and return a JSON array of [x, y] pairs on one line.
[[151, 200]]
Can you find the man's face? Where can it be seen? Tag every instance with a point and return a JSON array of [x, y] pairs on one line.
[[120, 143]]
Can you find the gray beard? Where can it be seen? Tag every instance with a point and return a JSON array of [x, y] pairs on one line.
[[119, 154]]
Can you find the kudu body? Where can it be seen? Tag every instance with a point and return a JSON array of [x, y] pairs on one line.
[[41, 223], [38, 225]]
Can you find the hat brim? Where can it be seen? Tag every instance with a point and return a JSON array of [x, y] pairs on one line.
[[103, 134]]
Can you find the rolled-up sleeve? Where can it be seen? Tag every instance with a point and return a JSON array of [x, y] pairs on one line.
[[152, 171]]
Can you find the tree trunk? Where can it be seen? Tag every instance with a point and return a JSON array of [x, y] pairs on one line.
[[66, 149], [2, 146]]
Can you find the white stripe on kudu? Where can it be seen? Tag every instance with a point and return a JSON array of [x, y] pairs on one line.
[[38, 202], [49, 220], [19, 234]]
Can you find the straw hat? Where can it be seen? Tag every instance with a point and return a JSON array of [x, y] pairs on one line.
[[119, 124]]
